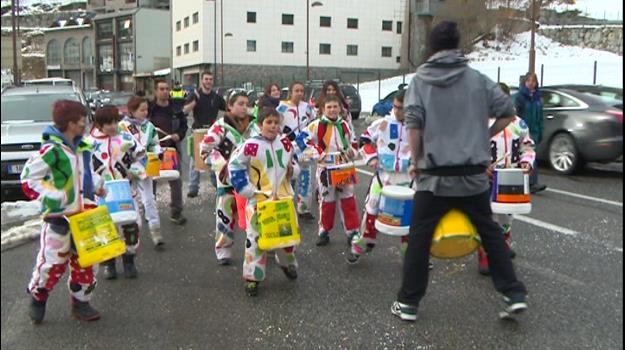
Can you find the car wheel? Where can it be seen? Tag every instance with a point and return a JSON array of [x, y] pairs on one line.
[[564, 157], [355, 115]]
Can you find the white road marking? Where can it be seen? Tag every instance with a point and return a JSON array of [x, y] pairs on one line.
[[576, 195]]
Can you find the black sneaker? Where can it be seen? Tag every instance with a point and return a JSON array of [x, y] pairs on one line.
[[251, 288], [81, 310], [306, 216], [178, 219], [404, 311], [370, 247], [110, 271], [130, 270], [223, 262], [36, 310], [290, 271], [323, 240], [192, 194], [352, 259], [537, 188], [515, 304]]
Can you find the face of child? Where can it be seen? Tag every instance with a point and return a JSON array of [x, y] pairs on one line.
[[239, 108], [330, 90], [398, 109], [331, 110], [298, 93], [275, 92], [77, 128], [109, 129], [142, 112], [270, 128]]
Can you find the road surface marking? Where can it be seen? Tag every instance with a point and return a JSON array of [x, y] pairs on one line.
[[594, 199]]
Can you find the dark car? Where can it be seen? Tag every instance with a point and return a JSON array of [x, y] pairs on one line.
[[384, 106], [606, 92], [579, 127], [313, 91]]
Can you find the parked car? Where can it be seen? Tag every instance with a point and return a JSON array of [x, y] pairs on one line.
[[384, 106], [49, 81], [313, 91], [26, 111], [579, 127], [119, 100], [606, 92]]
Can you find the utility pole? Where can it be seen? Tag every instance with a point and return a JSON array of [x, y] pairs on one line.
[[215, 43], [307, 40], [532, 66], [221, 35], [16, 72]]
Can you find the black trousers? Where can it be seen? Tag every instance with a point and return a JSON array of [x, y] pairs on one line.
[[427, 212]]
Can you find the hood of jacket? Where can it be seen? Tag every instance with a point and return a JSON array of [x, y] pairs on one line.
[[443, 68]]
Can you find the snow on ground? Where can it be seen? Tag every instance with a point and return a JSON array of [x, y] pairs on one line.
[[20, 211], [21, 222], [561, 65], [19, 235]]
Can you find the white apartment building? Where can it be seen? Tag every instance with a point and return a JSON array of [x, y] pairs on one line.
[[265, 40]]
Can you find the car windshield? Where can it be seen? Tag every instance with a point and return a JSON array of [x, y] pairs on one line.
[[31, 107]]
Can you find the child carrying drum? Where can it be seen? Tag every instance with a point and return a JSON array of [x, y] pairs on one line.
[[386, 149], [330, 137], [260, 170], [116, 156], [511, 148]]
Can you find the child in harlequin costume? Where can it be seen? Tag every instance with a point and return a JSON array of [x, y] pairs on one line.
[[511, 148], [116, 156], [296, 115], [218, 144], [386, 148], [328, 136], [145, 134], [264, 163], [59, 176]]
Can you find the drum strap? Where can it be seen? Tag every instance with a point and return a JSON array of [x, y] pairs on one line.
[[462, 170]]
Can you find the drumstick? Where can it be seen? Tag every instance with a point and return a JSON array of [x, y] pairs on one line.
[[165, 138], [161, 131]]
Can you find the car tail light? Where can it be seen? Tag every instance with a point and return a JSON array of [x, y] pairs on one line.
[[617, 114]]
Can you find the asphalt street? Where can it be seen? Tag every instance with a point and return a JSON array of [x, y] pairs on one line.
[[569, 254]]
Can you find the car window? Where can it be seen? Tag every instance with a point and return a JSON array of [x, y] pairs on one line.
[[390, 96], [119, 100], [552, 99], [31, 107], [349, 90]]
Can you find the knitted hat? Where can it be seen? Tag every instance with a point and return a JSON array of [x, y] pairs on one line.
[[444, 36]]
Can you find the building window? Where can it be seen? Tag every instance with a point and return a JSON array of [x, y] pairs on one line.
[[178, 50], [288, 19], [387, 51], [186, 22], [399, 27], [196, 46], [105, 57], [53, 53], [105, 30], [126, 57], [325, 21], [71, 51], [398, 59], [352, 50], [178, 25], [251, 17], [287, 47], [186, 48], [352, 23], [251, 46], [196, 18], [387, 26], [325, 49], [124, 29], [87, 51]]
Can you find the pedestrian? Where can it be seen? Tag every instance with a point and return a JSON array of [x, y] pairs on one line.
[[205, 104], [217, 147], [529, 107], [447, 107], [330, 136], [144, 132], [116, 156], [261, 170], [270, 99], [296, 115], [178, 96], [172, 128], [386, 149], [59, 176], [512, 148]]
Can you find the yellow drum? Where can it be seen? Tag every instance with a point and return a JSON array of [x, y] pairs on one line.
[[198, 136], [454, 236], [277, 224], [95, 236], [153, 165]]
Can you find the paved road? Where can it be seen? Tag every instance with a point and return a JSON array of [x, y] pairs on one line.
[[569, 255]]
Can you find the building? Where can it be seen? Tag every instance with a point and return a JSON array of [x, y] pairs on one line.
[[103, 6], [70, 53], [130, 46], [7, 50], [260, 41]]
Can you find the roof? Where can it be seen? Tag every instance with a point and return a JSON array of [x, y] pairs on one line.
[[38, 89], [116, 14]]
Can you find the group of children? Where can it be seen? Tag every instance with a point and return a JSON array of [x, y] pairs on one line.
[[270, 155]]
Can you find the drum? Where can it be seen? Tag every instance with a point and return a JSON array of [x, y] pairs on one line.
[[395, 210], [169, 166], [153, 165], [454, 236], [510, 193], [241, 204], [95, 236], [198, 136], [343, 174], [277, 224], [119, 201]]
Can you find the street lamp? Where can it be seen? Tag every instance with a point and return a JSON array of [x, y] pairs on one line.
[[223, 77], [532, 63], [308, 6]]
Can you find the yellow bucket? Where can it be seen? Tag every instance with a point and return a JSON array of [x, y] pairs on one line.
[[277, 224], [153, 166], [95, 236], [454, 236]]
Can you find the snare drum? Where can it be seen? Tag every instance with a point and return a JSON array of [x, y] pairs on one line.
[[169, 166], [395, 210], [454, 236], [343, 174], [153, 165], [119, 202], [510, 193]]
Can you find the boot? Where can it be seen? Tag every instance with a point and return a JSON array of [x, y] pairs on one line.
[[130, 270], [157, 238], [482, 260], [37, 310], [110, 272], [81, 310]]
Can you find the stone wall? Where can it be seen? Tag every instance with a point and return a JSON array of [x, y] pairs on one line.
[[608, 38]]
